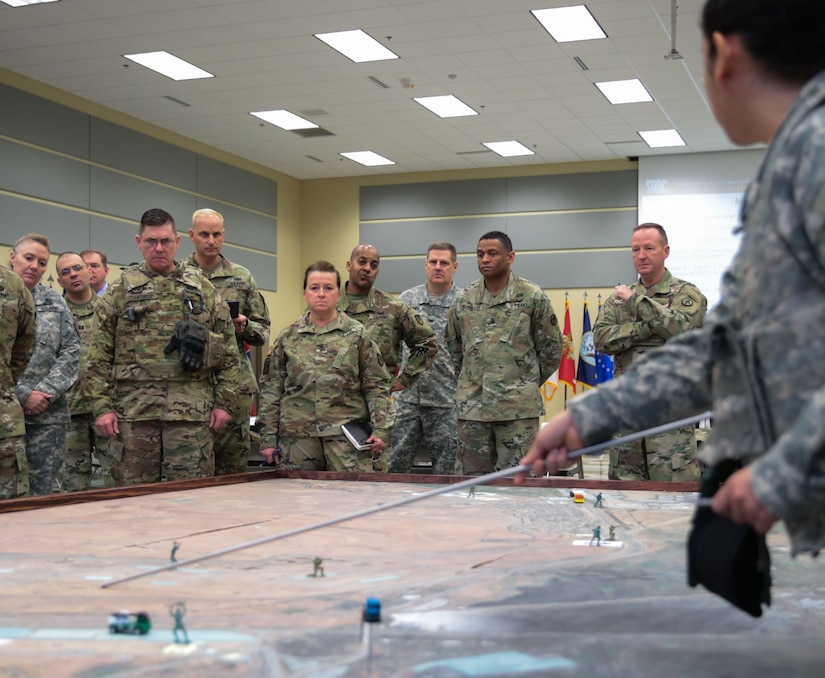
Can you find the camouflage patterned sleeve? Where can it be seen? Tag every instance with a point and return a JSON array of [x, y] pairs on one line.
[[641, 398], [617, 330], [452, 335], [374, 381], [546, 338], [100, 358], [256, 332], [422, 342], [65, 369], [686, 311], [273, 378], [26, 338]]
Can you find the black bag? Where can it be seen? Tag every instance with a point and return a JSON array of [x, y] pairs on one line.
[[728, 558]]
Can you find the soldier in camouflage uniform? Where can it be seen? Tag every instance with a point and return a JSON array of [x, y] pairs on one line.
[[234, 283], [323, 371], [163, 368], [76, 472], [389, 322], [758, 358], [634, 320], [504, 340], [425, 413], [18, 332], [51, 371]]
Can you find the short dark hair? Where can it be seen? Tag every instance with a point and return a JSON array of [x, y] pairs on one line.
[[785, 37], [103, 258], [66, 254], [658, 227], [322, 266], [503, 238], [157, 217], [443, 245]]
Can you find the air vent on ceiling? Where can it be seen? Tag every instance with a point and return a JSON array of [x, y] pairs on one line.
[[177, 101], [384, 85], [312, 157], [473, 152], [581, 63], [313, 112], [313, 132]]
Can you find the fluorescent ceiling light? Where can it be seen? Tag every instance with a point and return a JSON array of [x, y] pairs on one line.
[[23, 3], [446, 106], [624, 91], [367, 158], [169, 65], [357, 45], [284, 119], [568, 24], [662, 138], [508, 149]]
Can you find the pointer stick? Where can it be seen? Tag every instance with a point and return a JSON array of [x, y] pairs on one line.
[[475, 480]]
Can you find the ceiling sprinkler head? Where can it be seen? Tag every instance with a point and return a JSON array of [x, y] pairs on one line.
[[673, 55], [406, 83]]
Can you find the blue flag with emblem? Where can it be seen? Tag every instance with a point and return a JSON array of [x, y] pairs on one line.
[[586, 370], [604, 363]]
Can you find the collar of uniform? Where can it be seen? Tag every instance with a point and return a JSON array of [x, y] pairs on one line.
[[508, 293], [368, 303], [661, 287], [305, 325]]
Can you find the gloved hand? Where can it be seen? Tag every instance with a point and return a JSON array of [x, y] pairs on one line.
[[189, 339]]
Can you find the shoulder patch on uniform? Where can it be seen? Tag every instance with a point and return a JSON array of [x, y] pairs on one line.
[[554, 320], [687, 302]]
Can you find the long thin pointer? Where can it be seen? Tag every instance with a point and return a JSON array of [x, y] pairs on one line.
[[476, 480]]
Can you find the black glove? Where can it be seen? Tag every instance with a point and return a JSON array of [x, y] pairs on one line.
[[728, 558], [189, 339]]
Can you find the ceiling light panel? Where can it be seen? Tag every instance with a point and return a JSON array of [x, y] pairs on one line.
[[446, 106], [508, 149], [357, 46], [569, 24], [169, 65], [367, 158], [624, 91], [662, 138], [284, 119], [23, 3]]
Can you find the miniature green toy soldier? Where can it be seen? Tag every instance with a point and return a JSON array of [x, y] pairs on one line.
[[177, 611], [612, 535], [598, 503], [597, 535], [317, 568]]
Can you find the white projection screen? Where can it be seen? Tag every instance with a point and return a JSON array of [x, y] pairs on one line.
[[697, 197]]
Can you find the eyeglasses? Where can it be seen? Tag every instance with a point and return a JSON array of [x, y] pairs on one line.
[[152, 243], [76, 268]]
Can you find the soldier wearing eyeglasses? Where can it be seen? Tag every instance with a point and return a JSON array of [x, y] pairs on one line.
[[163, 366], [74, 276]]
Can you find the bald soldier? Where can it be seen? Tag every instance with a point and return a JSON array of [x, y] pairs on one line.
[[251, 324], [389, 322]]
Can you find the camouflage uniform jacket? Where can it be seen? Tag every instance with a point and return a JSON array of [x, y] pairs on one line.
[[436, 385], [83, 318], [759, 356], [54, 366], [503, 347], [317, 378], [626, 330], [127, 371], [389, 321], [235, 283], [18, 337]]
